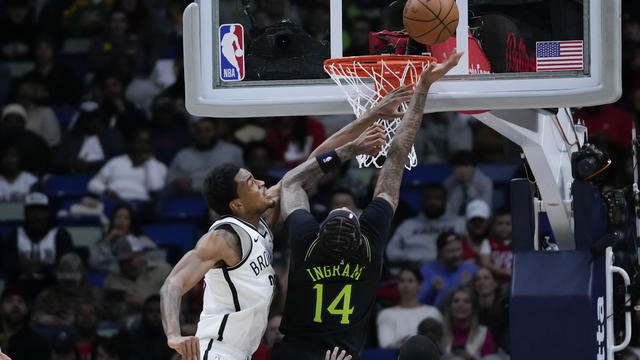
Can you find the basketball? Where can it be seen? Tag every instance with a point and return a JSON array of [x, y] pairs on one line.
[[239, 52], [430, 21]]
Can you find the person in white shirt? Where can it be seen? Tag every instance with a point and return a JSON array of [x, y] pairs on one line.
[[466, 183], [414, 241], [397, 324], [15, 184], [134, 176]]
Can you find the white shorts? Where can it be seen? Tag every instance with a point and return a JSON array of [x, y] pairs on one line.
[[215, 350]]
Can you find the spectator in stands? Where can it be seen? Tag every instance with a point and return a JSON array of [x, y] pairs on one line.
[[441, 136], [35, 155], [291, 139], [15, 183], [62, 85], [31, 252], [55, 305], [463, 335], [148, 330], [109, 348], [17, 31], [134, 176], [116, 40], [396, 324], [433, 329], [86, 320], [86, 18], [609, 127], [40, 118], [63, 345], [447, 271], [491, 307], [190, 166], [127, 289], [124, 222], [259, 161], [140, 22], [344, 197], [478, 222], [496, 253], [169, 129], [419, 347], [272, 336], [415, 239], [5, 83], [89, 144], [466, 183], [119, 112], [16, 337]]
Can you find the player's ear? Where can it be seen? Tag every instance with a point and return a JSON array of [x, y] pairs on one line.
[[236, 205]]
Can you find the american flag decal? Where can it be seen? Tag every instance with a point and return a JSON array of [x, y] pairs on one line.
[[559, 55]]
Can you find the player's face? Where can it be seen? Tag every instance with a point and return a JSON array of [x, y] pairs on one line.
[[252, 192], [484, 283], [461, 307], [408, 285]]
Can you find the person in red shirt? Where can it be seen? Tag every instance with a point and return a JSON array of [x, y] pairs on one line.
[[609, 127], [496, 253]]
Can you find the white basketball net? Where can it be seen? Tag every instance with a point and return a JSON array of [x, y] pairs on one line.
[[363, 94]]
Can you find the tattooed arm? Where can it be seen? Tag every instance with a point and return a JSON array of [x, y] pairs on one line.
[[293, 195], [388, 185], [215, 248], [386, 109]]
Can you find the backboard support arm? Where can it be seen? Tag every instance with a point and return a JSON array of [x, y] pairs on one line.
[[549, 155]]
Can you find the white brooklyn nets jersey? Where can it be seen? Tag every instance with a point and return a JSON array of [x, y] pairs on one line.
[[237, 298]]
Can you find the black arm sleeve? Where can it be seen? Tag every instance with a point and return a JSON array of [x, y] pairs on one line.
[[375, 221]]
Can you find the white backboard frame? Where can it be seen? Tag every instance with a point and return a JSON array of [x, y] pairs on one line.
[[601, 85]]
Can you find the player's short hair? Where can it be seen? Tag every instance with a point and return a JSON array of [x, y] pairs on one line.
[[339, 236], [220, 188], [442, 239]]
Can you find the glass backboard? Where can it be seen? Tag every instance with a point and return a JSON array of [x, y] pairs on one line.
[[264, 57]]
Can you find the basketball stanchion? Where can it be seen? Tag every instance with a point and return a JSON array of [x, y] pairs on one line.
[[367, 79]]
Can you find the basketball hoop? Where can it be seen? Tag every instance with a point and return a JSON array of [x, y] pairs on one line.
[[387, 73]]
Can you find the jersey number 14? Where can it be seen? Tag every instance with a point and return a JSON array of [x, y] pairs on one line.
[[344, 296]]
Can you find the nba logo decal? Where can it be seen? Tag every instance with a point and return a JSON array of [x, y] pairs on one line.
[[231, 52]]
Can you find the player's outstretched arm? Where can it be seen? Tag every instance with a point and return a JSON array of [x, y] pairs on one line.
[[388, 185], [293, 195], [386, 109], [213, 247]]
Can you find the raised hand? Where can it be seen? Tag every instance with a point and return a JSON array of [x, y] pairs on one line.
[[371, 140], [342, 355], [187, 346], [435, 71], [387, 108]]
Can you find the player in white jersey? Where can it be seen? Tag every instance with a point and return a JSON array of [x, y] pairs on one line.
[[234, 257]]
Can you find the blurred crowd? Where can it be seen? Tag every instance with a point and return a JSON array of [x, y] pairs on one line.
[[93, 91]]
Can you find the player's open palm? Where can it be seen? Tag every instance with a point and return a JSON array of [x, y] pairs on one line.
[[371, 140], [187, 346], [387, 108], [433, 72], [336, 355]]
